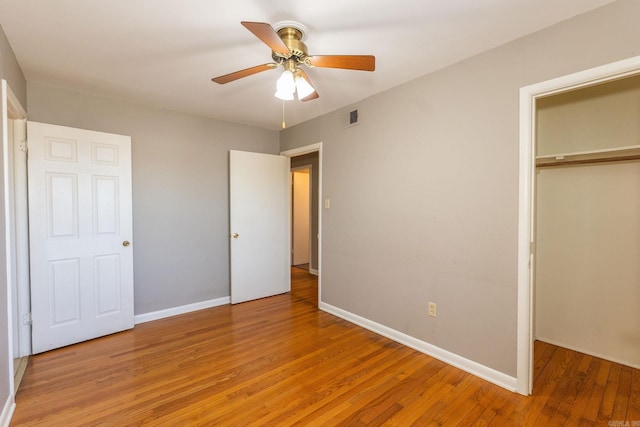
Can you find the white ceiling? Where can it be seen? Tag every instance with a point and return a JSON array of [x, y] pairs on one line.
[[164, 53]]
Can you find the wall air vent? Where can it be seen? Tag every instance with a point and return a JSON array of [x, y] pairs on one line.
[[353, 118]]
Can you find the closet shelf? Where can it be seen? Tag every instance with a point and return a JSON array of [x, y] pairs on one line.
[[631, 152]]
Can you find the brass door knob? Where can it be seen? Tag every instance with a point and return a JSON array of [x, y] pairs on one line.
[[236, 235], [126, 243]]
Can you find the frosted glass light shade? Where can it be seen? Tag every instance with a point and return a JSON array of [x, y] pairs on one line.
[[303, 87], [285, 96], [286, 86]]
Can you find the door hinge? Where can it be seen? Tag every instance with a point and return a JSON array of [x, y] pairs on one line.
[[532, 250], [26, 319], [24, 146]]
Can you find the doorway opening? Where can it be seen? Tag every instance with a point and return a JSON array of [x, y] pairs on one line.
[[306, 185], [530, 96], [301, 180]]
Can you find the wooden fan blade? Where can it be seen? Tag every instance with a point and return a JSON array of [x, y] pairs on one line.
[[314, 95], [347, 62], [311, 97], [244, 73], [268, 35]]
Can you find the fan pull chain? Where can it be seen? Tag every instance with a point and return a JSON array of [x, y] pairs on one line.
[[283, 123]]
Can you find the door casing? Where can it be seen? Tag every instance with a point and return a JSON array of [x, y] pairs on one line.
[[13, 114]]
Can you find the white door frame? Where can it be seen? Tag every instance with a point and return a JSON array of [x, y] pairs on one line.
[[526, 226], [20, 251], [299, 152], [16, 262]]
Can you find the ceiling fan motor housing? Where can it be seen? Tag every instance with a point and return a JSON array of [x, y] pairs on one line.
[[292, 38]]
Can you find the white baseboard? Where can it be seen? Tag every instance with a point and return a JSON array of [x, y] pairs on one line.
[[474, 368], [174, 311], [313, 271], [7, 411]]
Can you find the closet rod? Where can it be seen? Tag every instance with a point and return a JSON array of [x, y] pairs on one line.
[[587, 161]]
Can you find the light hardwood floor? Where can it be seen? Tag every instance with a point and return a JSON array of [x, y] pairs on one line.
[[280, 361]]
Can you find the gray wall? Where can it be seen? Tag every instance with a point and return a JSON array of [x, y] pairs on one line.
[[180, 190], [10, 71], [313, 160], [424, 191]]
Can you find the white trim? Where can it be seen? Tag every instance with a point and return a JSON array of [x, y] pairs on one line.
[[528, 96], [7, 411], [313, 271], [21, 215], [175, 311], [299, 152], [474, 368], [525, 229], [16, 282], [14, 107], [302, 150], [9, 406]]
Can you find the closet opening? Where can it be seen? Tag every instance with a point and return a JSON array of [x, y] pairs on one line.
[[586, 222], [530, 96]]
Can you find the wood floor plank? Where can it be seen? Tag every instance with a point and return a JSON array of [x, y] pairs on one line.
[[610, 391], [548, 378], [564, 394], [633, 412], [621, 402], [280, 361], [584, 380]]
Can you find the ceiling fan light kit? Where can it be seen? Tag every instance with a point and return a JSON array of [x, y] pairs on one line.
[[303, 88], [285, 86], [289, 51]]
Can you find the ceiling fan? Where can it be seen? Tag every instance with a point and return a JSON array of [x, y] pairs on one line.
[[288, 50]]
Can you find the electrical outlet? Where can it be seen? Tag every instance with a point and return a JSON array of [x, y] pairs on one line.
[[433, 309]]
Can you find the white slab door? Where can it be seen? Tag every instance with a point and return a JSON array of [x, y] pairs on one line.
[[80, 234], [259, 225]]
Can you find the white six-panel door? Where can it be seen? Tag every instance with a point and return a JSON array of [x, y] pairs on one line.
[[80, 234], [259, 225]]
